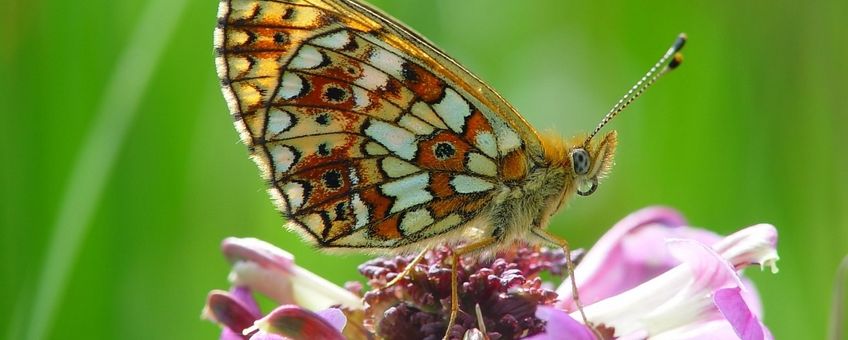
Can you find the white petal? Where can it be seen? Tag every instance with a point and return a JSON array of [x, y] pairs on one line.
[[753, 245], [678, 298]]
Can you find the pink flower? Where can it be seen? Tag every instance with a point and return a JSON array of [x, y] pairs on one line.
[[261, 267], [652, 276]]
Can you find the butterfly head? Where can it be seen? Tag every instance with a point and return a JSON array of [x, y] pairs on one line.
[[590, 161]]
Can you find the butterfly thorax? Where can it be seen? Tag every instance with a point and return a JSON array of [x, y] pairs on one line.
[[549, 183], [527, 205], [530, 202]]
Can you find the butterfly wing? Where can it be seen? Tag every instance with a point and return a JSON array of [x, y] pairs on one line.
[[368, 135]]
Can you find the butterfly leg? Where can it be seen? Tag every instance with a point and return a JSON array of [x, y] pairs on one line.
[[562, 243], [455, 257], [409, 267]]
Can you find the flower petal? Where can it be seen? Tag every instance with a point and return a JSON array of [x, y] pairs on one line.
[[630, 253], [753, 245], [745, 323], [229, 334], [710, 330], [271, 282], [296, 323], [266, 336], [672, 301], [316, 293], [751, 296], [272, 272], [257, 251], [225, 309], [560, 325], [245, 297], [334, 316]]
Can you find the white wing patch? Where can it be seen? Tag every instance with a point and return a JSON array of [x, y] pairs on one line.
[[308, 57], [508, 140], [485, 141], [283, 156], [354, 179], [361, 98], [481, 165], [372, 78], [466, 184], [415, 220], [408, 192], [397, 168], [291, 85], [417, 126], [398, 140], [453, 109], [334, 41], [426, 113], [294, 191], [374, 149], [278, 121], [387, 62], [360, 210]]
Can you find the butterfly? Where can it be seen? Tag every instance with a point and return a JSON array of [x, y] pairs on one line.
[[373, 139]]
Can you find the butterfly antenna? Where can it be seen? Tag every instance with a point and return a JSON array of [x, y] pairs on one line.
[[669, 61]]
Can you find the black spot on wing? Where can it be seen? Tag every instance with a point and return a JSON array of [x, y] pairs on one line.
[[334, 94], [323, 150], [280, 37], [332, 179], [323, 119]]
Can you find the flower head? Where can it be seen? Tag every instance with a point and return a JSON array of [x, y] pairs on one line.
[[650, 275], [260, 267], [498, 296]]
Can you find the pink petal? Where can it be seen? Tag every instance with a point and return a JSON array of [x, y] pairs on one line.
[[257, 251], [271, 271], [560, 325], [227, 310], [296, 323], [753, 245], [266, 336], [334, 316], [745, 323], [751, 296], [630, 253], [245, 297], [710, 269], [675, 302], [229, 334]]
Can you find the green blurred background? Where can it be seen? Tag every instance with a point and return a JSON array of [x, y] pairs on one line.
[[114, 131]]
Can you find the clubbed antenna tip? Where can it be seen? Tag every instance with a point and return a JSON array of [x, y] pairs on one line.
[[669, 61]]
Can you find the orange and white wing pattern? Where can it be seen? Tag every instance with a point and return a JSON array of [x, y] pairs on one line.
[[368, 135]]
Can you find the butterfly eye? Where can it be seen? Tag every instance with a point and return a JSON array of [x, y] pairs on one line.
[[583, 190], [580, 160]]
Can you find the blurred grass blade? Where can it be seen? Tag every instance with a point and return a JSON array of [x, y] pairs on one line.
[[836, 328], [94, 164]]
